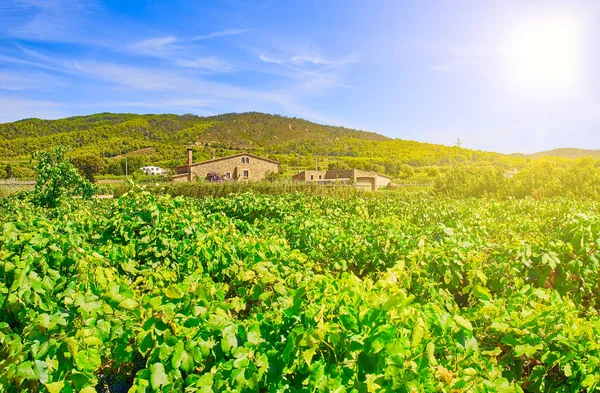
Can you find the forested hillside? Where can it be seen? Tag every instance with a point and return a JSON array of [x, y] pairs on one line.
[[566, 152], [163, 139]]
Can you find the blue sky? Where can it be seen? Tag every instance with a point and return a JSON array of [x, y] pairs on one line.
[[429, 71]]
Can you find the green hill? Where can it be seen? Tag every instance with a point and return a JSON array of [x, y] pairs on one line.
[[567, 152], [163, 139]]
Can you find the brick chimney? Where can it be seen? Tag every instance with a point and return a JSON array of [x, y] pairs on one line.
[[189, 156]]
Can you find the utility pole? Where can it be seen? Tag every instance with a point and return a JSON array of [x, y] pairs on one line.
[[457, 144], [316, 163], [126, 171]]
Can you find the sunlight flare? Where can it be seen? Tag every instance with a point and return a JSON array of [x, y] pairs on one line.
[[544, 55]]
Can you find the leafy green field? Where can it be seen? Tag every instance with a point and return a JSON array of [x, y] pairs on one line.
[[387, 292]]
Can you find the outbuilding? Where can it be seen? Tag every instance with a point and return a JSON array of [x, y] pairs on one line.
[[153, 170], [357, 177]]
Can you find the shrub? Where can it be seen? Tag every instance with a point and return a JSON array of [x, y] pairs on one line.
[[57, 178]]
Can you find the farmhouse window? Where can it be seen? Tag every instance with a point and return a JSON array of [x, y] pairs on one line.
[[246, 174], [243, 160], [320, 177], [312, 177]]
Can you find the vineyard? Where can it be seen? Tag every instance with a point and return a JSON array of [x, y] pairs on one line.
[[391, 292]]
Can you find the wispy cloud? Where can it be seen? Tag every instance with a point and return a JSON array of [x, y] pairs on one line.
[[138, 78], [451, 67], [177, 51], [33, 53], [440, 68], [265, 4], [210, 64], [217, 34], [16, 60], [157, 80], [268, 59], [318, 60], [53, 20], [17, 80], [154, 46], [311, 72], [315, 59]]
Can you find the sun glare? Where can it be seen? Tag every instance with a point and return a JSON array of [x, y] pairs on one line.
[[544, 55]]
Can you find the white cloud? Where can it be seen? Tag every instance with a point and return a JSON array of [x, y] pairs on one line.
[[318, 60], [16, 60], [17, 81], [451, 67], [132, 77], [268, 59], [211, 63], [148, 79], [52, 20], [185, 91], [312, 74], [154, 46], [166, 47], [265, 4], [33, 53], [217, 34], [440, 68]]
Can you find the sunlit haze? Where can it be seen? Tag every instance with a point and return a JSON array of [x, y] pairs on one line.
[[545, 55], [506, 76]]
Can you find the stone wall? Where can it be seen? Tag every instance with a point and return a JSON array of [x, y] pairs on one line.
[[236, 166], [310, 175], [180, 178]]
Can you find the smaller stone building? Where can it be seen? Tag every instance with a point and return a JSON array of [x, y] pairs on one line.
[[356, 177], [241, 167]]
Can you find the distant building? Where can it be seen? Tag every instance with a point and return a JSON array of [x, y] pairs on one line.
[[153, 170], [357, 177], [511, 174], [241, 167]]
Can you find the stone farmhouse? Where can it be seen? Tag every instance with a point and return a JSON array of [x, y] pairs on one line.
[[357, 177], [242, 167]]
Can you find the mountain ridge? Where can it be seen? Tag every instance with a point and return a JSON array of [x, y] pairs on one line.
[[564, 152], [162, 139]]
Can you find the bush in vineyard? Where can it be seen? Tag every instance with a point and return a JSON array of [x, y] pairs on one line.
[[57, 178], [539, 179]]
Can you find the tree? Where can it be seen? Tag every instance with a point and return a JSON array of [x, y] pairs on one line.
[[89, 165], [9, 171], [432, 171], [406, 171], [57, 178]]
